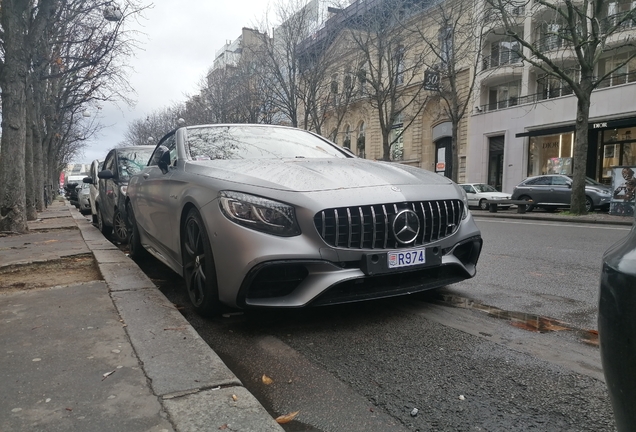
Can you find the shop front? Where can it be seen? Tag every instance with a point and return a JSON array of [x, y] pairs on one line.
[[611, 156]]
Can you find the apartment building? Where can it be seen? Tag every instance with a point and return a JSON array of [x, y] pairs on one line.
[[523, 121], [420, 133]]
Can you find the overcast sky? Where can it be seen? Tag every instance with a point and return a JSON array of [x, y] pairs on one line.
[[181, 39]]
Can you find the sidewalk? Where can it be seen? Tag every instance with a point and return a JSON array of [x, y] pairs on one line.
[[90, 344]]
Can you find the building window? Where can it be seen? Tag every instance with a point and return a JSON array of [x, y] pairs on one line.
[[626, 73], [361, 141], [334, 135], [398, 60], [503, 52], [550, 87], [362, 80], [396, 140], [347, 137], [504, 96], [550, 37], [445, 37], [334, 83], [551, 154]]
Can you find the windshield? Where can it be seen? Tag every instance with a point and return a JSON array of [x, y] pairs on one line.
[[484, 188], [592, 182], [131, 161], [256, 142]]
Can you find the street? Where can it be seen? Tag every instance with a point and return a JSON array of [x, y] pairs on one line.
[[417, 363]]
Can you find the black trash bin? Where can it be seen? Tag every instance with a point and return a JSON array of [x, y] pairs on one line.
[[617, 329]]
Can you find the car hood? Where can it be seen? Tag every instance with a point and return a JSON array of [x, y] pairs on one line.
[[305, 175]]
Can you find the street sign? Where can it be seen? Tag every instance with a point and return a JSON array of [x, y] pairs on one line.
[[431, 80]]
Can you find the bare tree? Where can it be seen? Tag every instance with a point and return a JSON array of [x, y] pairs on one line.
[[59, 58], [392, 65], [153, 127], [451, 33], [591, 29]]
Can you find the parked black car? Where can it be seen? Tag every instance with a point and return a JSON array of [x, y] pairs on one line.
[[120, 164], [617, 328], [552, 191]]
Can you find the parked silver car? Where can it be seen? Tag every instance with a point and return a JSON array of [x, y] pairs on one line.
[[84, 196], [552, 191], [270, 216]]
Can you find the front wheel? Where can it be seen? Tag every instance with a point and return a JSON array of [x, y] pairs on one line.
[[135, 250], [483, 204], [198, 266]]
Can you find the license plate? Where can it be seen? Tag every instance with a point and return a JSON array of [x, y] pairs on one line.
[[406, 258]]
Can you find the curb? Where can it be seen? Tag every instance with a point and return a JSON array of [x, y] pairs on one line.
[[573, 219], [195, 387]]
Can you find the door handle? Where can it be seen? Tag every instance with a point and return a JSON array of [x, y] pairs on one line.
[[145, 175]]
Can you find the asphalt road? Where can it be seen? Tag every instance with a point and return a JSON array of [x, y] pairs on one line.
[[369, 366]]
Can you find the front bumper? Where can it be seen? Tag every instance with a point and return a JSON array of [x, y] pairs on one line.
[[261, 270]]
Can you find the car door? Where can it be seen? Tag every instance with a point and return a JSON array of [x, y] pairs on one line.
[[561, 190], [539, 189], [153, 202], [107, 190]]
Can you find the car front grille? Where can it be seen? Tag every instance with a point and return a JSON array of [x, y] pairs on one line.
[[370, 227]]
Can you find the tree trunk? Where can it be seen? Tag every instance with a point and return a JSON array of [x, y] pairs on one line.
[[13, 84], [31, 186], [577, 205], [454, 151]]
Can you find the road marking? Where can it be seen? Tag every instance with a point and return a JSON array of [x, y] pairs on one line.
[[569, 224]]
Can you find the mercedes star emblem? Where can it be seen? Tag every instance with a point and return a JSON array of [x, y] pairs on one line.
[[406, 226]]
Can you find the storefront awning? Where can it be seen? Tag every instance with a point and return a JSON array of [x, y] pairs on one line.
[[550, 131]]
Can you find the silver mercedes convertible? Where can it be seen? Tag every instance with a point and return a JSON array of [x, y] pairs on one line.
[[272, 216]]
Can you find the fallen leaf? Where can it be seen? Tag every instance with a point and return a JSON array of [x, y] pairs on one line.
[[234, 398], [225, 426], [286, 418], [69, 409], [267, 380], [107, 374]]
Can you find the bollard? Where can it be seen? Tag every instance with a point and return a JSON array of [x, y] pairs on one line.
[[617, 329]]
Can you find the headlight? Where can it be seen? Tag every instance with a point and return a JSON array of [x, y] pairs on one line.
[[258, 213], [123, 189]]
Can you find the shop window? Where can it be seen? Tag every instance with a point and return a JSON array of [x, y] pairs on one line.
[[551, 154], [618, 149]]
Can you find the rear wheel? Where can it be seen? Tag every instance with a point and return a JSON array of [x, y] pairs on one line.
[[198, 266], [527, 198], [106, 230], [483, 204], [120, 230], [589, 204]]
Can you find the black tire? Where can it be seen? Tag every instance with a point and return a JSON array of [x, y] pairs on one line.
[[527, 198], [94, 216], [199, 270], [135, 250], [120, 230], [106, 230], [483, 204], [589, 204]]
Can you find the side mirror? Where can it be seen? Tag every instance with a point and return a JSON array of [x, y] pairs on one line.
[[163, 155], [569, 185], [105, 175], [88, 180]]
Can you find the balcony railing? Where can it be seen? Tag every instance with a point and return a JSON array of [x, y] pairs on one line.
[[610, 21], [564, 90], [493, 62]]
